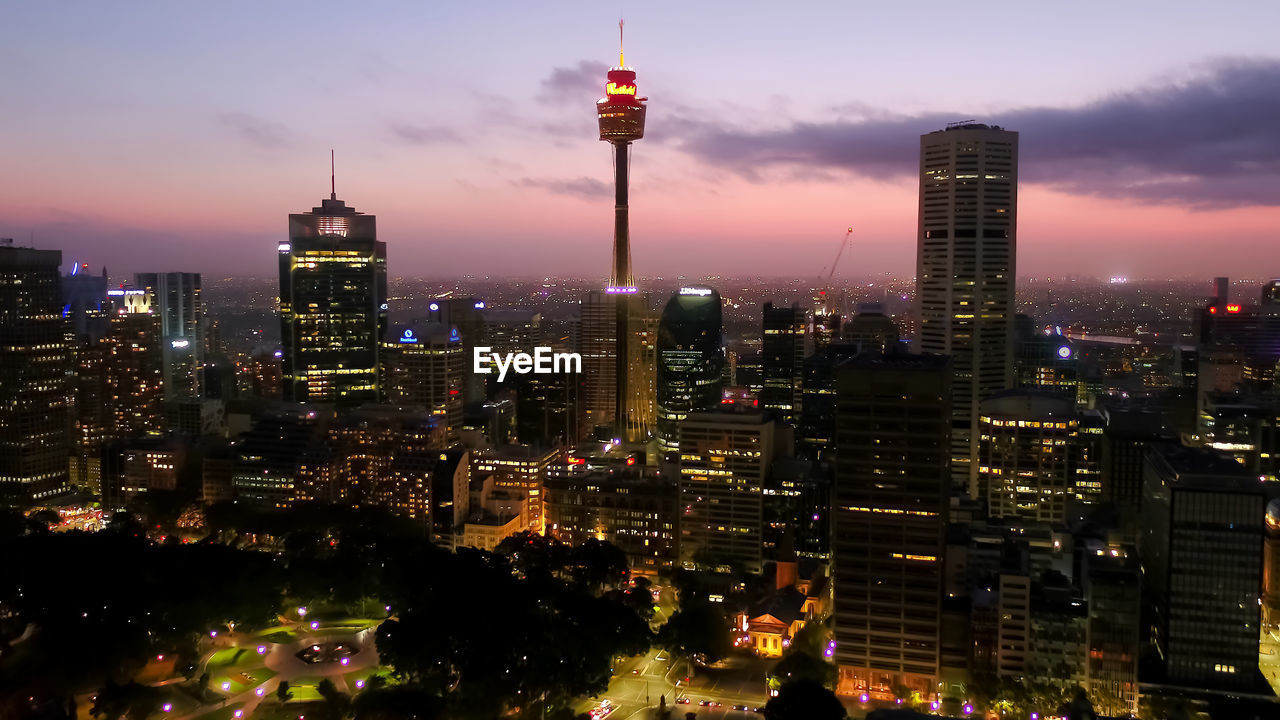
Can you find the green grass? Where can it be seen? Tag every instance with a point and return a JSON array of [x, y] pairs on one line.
[[228, 656]]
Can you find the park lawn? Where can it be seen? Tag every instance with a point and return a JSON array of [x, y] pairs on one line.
[[236, 681], [183, 704], [275, 711], [260, 675], [229, 658]]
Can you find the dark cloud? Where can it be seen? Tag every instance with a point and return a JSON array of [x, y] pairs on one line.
[[424, 134], [583, 187], [572, 83], [257, 131], [1212, 141]]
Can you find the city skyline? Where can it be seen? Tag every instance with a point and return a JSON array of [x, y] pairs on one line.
[[180, 153]]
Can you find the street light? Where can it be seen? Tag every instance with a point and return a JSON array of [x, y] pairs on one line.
[[302, 612]]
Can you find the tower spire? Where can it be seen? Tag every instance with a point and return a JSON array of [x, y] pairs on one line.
[[333, 180], [621, 60]]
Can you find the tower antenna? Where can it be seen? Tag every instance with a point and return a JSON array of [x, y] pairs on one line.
[[333, 181], [621, 60]]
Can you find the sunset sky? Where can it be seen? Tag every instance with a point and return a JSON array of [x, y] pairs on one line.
[[159, 136]]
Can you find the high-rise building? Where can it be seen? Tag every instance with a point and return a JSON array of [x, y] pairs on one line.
[[520, 470], [1202, 558], [816, 426], [175, 300], [1026, 468], [725, 459], [423, 365], [871, 329], [333, 305], [890, 505], [785, 344], [621, 114], [1271, 296], [965, 265], [632, 507], [279, 453], [135, 367], [1113, 594], [690, 360], [597, 342], [87, 309], [467, 315], [35, 369]]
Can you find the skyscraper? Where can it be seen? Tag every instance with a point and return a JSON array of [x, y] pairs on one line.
[[785, 344], [423, 364], [621, 115], [333, 305], [965, 265], [724, 464], [134, 367], [175, 299], [690, 360], [1026, 453], [889, 517], [35, 365], [1202, 554]]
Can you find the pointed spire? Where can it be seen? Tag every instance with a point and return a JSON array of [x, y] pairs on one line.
[[333, 181], [621, 60]]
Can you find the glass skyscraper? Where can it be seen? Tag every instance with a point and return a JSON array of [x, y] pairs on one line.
[[333, 305], [690, 360]]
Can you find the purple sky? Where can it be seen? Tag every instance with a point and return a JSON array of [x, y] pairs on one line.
[[169, 136]]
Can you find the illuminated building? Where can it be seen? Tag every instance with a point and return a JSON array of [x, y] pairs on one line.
[[549, 407], [132, 468], [135, 367], [1113, 593], [797, 509], [965, 265], [632, 507], [1045, 361], [621, 115], [87, 310], [263, 374], [871, 329], [690, 348], [35, 367], [496, 514], [520, 469], [1271, 296], [786, 343], [383, 455], [270, 457], [468, 316], [1125, 440], [1025, 463], [725, 459], [890, 505], [1202, 559], [597, 338], [333, 305], [175, 299], [1245, 427], [816, 426], [423, 364]]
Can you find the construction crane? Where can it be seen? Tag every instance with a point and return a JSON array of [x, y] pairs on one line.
[[824, 290]]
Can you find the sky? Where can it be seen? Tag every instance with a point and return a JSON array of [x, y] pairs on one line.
[[162, 136]]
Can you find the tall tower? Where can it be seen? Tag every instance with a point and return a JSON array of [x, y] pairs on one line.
[[175, 299], [965, 268], [35, 364], [690, 361], [621, 116], [333, 305]]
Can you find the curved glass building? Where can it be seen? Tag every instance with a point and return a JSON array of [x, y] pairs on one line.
[[690, 360]]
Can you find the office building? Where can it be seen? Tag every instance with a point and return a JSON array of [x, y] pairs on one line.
[[423, 365], [1112, 584], [520, 470], [333, 305], [1026, 468], [135, 367], [786, 343], [175, 300], [35, 369], [632, 507], [690, 350], [724, 463], [965, 270], [871, 329], [1202, 560], [890, 505]]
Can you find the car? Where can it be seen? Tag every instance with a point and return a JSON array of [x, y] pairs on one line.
[[635, 671], [760, 710], [741, 708], [709, 703], [682, 700]]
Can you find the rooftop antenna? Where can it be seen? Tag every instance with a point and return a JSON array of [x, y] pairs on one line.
[[621, 60], [333, 182]]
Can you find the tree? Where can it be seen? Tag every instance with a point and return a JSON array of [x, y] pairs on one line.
[[804, 700], [796, 666], [282, 692], [1080, 708], [130, 701], [337, 705], [697, 629]]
